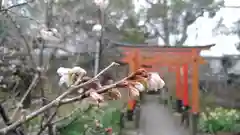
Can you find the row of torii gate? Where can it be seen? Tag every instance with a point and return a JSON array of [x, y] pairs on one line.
[[177, 59]]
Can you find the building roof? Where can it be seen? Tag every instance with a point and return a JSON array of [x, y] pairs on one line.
[[120, 44]]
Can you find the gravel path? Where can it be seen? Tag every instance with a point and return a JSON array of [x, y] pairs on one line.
[[157, 120]]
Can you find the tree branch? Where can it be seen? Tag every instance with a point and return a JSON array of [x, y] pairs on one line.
[[157, 34], [32, 85], [149, 2], [166, 24], [3, 113], [100, 91], [188, 20], [67, 116], [25, 41], [27, 17], [183, 37], [58, 47], [17, 5], [58, 101], [48, 122]]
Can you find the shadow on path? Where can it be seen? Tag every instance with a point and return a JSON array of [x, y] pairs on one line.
[[158, 120]]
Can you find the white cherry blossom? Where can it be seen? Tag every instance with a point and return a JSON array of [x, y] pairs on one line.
[[139, 86], [66, 75], [78, 70], [49, 34], [155, 82], [96, 96]]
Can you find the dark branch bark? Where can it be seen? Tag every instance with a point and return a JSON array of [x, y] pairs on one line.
[[183, 37], [3, 113], [48, 123], [149, 2], [7, 122], [166, 33], [26, 94], [14, 6], [1, 4], [166, 24], [188, 20], [48, 23], [157, 34]]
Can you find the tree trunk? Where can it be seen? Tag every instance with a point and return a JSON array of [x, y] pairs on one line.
[[166, 24]]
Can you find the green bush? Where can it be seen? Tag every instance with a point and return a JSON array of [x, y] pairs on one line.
[[219, 120], [83, 122]]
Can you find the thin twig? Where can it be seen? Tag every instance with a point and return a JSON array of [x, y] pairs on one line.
[[32, 85], [48, 122], [99, 91], [104, 70], [99, 74], [67, 116], [27, 17], [89, 81], [82, 111]]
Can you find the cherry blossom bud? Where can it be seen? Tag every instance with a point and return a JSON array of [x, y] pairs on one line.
[[122, 84], [97, 123], [133, 91], [96, 96], [79, 71], [140, 87], [114, 94], [108, 130]]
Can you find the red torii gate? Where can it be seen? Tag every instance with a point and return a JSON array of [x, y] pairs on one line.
[[172, 57]]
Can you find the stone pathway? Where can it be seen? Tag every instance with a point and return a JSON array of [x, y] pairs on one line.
[[157, 120]]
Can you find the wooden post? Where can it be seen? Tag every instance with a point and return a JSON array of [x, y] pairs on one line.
[[178, 89], [195, 93], [178, 82], [185, 115], [133, 58], [135, 63], [195, 83], [185, 85]]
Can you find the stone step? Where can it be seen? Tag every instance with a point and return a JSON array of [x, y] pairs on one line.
[[129, 132], [129, 128]]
